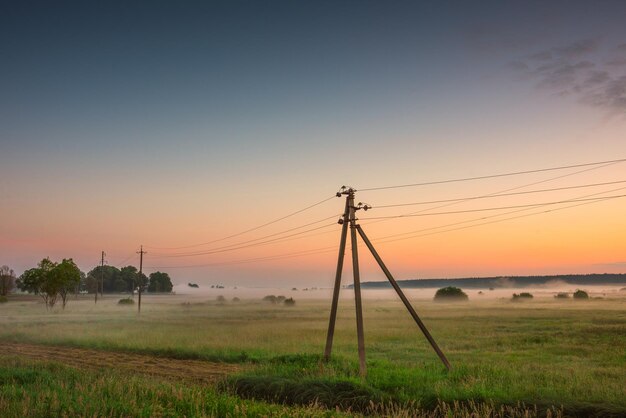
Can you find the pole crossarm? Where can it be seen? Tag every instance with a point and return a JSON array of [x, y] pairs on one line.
[[349, 220]]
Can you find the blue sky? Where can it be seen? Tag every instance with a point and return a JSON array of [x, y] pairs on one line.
[[195, 110]]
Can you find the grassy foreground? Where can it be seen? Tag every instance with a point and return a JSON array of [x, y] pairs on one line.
[[539, 357]]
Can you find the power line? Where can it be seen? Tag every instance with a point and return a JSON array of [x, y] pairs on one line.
[[484, 209], [494, 216], [588, 202], [515, 173], [247, 230], [126, 259], [250, 241], [244, 246], [465, 199], [333, 248], [257, 259], [510, 189]]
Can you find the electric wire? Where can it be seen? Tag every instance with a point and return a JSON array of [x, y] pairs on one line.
[[465, 199], [489, 217], [134, 254], [247, 230], [378, 240], [248, 241], [481, 209], [584, 202], [515, 173], [279, 239], [509, 189]]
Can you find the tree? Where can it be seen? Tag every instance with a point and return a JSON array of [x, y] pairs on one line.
[[109, 275], [128, 275], [40, 281], [160, 282], [67, 275], [51, 280], [141, 282], [7, 280]]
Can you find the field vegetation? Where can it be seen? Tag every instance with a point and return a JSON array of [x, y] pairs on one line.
[[544, 357]]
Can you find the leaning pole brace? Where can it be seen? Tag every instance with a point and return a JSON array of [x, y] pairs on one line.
[[349, 219], [406, 302]]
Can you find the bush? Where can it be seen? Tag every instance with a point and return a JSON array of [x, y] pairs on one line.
[[193, 285], [450, 293], [126, 301], [289, 302], [280, 299], [581, 294], [270, 298], [523, 295], [4, 299], [236, 299], [561, 295], [221, 298], [326, 393]]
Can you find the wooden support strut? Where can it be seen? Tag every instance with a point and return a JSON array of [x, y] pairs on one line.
[[406, 302]]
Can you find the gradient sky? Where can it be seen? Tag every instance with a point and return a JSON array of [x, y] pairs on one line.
[[168, 124]]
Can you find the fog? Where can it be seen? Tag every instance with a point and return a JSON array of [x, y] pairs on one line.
[[546, 291]]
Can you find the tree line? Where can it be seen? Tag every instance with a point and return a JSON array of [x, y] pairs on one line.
[[54, 281], [109, 279]]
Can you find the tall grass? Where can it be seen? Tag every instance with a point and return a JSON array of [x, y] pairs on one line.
[[545, 352]]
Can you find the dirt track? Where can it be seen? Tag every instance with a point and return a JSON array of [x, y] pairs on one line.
[[194, 370]]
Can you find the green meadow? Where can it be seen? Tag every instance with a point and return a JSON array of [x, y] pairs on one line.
[[542, 357]]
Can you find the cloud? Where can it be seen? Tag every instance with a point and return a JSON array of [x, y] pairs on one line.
[[576, 70]]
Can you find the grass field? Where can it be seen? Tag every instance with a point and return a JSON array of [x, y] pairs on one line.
[[536, 357]]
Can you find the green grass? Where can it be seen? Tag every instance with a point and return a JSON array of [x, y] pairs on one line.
[[36, 389], [544, 352]]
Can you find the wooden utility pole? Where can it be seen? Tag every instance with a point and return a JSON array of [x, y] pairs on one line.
[[141, 252], [101, 276], [349, 217], [333, 309]]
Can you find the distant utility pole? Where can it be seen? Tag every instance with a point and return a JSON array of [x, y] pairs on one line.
[[98, 282], [349, 219], [141, 252], [102, 275]]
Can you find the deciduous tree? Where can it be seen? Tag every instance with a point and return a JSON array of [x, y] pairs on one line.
[[160, 282], [7, 280]]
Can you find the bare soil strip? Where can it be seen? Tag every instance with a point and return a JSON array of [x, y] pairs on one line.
[[191, 370]]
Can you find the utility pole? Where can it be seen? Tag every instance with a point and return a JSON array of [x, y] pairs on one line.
[[98, 282], [101, 276], [349, 218], [141, 252]]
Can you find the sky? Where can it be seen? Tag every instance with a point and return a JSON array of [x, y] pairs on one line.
[[173, 124]]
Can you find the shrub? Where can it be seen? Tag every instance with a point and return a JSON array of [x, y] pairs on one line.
[[126, 301], [289, 302], [326, 393], [280, 299], [221, 298], [4, 299], [581, 294], [270, 298], [561, 295], [450, 293], [236, 299], [523, 295], [193, 285]]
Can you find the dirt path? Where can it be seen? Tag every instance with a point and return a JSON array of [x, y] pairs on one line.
[[194, 370]]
